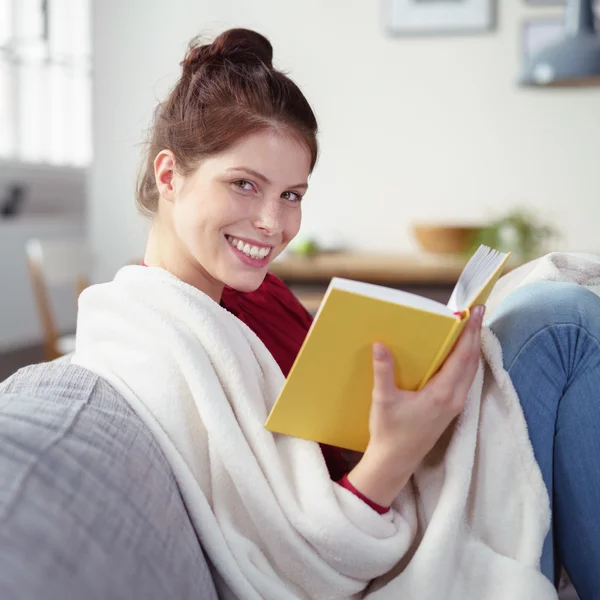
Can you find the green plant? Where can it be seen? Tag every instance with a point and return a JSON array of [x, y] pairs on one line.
[[519, 232], [306, 246]]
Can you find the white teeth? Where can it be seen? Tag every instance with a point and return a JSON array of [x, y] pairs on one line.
[[252, 251]]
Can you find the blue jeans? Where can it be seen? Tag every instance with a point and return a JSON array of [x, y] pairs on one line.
[[550, 337]]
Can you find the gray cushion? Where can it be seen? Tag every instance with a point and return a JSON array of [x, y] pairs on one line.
[[89, 507]]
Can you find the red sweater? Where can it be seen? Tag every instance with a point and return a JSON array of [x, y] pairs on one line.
[[281, 322]]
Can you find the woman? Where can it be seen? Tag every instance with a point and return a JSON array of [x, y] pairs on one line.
[[228, 163]]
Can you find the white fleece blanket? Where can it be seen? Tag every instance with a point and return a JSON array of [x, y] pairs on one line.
[[470, 525]]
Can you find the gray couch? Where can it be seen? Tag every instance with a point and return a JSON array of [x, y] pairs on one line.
[[89, 507]]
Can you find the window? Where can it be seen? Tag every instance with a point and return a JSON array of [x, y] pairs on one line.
[[45, 81]]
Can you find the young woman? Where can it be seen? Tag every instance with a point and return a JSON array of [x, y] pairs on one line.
[[228, 164]]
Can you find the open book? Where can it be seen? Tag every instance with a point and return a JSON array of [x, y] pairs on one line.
[[327, 395]]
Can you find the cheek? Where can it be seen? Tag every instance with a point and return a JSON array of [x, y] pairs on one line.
[[293, 225], [190, 222], [186, 218]]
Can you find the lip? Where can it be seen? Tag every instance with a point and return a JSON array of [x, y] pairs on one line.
[[249, 241], [257, 263]]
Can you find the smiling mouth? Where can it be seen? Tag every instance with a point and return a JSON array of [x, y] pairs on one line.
[[257, 252]]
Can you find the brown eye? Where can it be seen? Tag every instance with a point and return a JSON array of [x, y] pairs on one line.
[[244, 184], [292, 196]]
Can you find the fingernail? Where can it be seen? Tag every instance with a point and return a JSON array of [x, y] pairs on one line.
[[378, 351], [479, 311]]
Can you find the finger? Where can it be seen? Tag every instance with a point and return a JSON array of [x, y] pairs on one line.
[[384, 381], [470, 369], [464, 353], [470, 366]]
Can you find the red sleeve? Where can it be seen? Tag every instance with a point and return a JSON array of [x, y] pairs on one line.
[[345, 483]]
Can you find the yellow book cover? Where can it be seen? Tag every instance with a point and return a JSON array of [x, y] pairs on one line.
[[327, 395]]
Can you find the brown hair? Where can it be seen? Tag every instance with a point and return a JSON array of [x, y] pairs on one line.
[[228, 89]]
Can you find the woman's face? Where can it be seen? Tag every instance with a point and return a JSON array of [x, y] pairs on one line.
[[234, 214]]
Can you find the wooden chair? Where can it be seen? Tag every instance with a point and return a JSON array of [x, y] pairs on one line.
[[55, 262]]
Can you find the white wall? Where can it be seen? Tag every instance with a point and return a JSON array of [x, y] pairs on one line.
[[411, 128]]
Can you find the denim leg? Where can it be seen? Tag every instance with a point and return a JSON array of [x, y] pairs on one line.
[[550, 337]]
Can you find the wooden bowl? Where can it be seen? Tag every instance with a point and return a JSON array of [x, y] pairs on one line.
[[444, 239]]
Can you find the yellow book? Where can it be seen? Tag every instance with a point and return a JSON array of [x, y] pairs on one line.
[[327, 395]]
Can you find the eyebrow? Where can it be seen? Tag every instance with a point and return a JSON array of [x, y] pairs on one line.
[[264, 179]]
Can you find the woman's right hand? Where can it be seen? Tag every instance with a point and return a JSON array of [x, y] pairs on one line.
[[404, 426]]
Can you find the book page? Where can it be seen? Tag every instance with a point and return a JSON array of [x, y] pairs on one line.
[[381, 292], [481, 268]]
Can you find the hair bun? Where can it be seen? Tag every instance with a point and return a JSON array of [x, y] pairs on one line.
[[243, 45], [239, 46]]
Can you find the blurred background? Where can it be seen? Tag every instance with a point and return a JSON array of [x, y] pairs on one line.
[[438, 130]]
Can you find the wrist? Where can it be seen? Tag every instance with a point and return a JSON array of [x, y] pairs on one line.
[[378, 478]]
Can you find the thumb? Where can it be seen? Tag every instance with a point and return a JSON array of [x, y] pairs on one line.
[[384, 381]]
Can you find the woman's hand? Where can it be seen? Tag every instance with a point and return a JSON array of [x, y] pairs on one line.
[[404, 426]]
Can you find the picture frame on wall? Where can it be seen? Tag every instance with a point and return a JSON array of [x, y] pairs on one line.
[[439, 17], [538, 33]]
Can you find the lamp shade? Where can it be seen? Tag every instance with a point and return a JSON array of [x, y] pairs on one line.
[[575, 60]]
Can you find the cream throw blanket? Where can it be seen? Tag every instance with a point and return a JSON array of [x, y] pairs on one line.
[[469, 526]]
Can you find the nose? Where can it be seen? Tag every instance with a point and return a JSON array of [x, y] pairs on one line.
[[268, 219]]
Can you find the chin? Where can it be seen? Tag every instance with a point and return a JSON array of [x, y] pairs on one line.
[[248, 283]]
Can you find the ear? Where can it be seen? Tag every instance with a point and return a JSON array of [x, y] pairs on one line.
[[164, 174]]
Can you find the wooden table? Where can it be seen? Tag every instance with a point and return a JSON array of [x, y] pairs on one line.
[[430, 275]]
